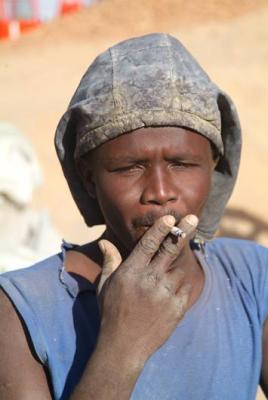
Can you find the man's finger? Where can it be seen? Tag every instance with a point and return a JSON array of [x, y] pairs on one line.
[[150, 242], [171, 246], [111, 261], [173, 280]]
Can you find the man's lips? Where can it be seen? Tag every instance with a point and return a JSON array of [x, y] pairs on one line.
[[149, 219]]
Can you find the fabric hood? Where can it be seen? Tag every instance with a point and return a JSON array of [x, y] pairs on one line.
[[149, 81]]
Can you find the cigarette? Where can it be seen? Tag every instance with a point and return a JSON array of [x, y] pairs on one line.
[[177, 232]]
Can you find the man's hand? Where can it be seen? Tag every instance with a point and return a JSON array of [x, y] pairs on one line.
[[143, 298]]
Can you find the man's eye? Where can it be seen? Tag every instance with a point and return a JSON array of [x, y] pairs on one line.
[[129, 168], [183, 165]]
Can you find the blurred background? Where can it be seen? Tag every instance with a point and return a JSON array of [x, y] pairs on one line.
[[46, 46]]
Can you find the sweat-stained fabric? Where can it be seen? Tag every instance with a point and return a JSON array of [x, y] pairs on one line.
[[213, 354], [149, 81]]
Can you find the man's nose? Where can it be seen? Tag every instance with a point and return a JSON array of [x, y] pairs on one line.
[[159, 188]]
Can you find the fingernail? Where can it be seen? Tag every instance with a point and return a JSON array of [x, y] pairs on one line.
[[191, 219], [188, 224], [169, 220]]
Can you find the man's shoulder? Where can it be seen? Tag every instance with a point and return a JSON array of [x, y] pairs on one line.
[[238, 253], [42, 268], [33, 282], [241, 260], [234, 246]]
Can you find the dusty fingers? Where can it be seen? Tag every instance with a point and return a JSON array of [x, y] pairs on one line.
[[149, 244], [172, 246], [111, 261]]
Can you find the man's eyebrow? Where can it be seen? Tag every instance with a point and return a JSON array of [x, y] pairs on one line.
[[175, 157], [127, 159], [184, 156]]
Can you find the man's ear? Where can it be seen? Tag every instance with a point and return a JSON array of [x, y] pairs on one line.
[[86, 174], [90, 187]]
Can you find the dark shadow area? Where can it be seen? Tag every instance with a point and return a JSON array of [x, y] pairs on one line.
[[238, 223], [86, 325]]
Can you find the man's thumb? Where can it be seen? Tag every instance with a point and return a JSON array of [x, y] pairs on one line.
[[111, 261]]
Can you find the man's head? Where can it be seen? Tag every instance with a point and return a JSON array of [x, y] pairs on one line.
[[151, 82]]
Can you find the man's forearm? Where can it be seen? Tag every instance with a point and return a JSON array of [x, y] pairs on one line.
[[111, 374]]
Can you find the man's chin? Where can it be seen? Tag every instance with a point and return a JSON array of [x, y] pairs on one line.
[[126, 242]]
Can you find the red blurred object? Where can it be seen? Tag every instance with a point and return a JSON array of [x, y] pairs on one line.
[[13, 29], [26, 25], [68, 7], [12, 26], [4, 29]]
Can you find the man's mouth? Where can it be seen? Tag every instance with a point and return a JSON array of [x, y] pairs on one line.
[[143, 228], [146, 221]]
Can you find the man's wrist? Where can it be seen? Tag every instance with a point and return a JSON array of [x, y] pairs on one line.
[[119, 351], [112, 372]]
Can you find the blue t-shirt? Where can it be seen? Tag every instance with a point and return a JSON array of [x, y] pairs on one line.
[[214, 353]]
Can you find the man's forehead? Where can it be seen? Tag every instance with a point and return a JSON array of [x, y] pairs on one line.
[[170, 141]]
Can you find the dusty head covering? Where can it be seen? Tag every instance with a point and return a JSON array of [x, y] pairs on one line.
[[149, 81]]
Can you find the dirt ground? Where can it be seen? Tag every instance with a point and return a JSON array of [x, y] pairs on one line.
[[39, 73]]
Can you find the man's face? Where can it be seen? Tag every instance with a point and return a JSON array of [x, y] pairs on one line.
[[148, 173]]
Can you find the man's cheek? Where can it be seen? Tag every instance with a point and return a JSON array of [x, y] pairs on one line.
[[117, 213], [195, 198]]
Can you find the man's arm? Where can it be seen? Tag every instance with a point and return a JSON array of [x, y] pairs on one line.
[[141, 300], [141, 304], [21, 375], [264, 373]]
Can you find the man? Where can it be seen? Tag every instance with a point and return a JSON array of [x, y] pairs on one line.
[[150, 146]]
